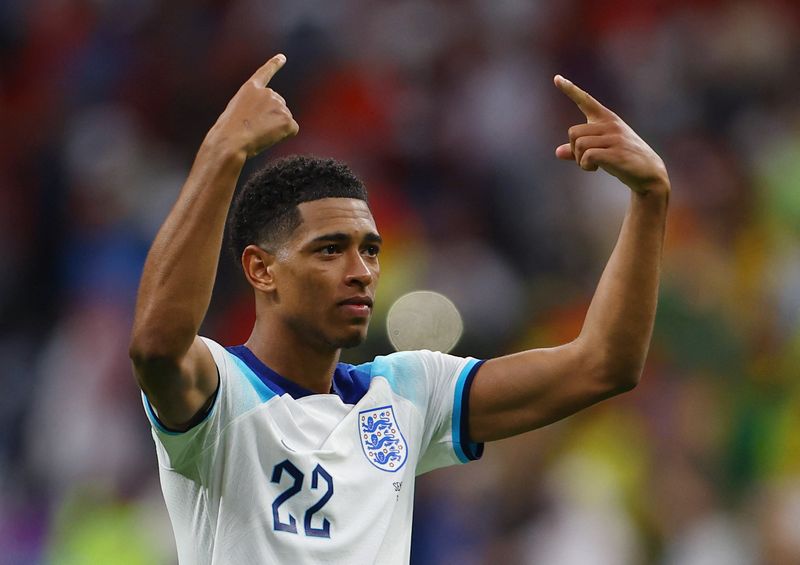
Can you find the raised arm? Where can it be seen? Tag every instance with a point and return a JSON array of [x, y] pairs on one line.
[[527, 390], [172, 365]]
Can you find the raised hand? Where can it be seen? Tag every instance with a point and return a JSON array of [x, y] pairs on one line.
[[256, 117], [607, 142]]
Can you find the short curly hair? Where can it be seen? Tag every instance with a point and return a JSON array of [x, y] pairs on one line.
[[265, 211]]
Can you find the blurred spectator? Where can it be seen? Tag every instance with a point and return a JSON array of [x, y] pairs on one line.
[[447, 111]]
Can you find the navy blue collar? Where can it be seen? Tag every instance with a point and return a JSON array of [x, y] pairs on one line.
[[349, 382]]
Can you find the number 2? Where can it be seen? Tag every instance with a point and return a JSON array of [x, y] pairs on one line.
[[297, 485]]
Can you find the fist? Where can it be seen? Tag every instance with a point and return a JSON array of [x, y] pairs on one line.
[[256, 117]]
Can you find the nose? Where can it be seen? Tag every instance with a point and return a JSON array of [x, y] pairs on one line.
[[359, 271]]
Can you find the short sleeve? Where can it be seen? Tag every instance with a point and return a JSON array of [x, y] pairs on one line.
[[438, 386], [449, 380], [180, 450]]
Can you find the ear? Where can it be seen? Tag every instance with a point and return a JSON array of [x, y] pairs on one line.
[[258, 266]]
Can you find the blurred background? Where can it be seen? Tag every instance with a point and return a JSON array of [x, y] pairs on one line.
[[447, 110]]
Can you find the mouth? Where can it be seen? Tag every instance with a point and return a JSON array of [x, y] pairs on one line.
[[357, 306], [358, 301]]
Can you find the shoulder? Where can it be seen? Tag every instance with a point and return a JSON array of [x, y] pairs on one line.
[[418, 363], [236, 377], [401, 363], [417, 374]]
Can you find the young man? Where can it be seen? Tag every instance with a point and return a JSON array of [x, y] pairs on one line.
[[273, 451]]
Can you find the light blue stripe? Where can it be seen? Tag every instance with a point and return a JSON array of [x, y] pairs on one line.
[[151, 415], [263, 391], [402, 371], [457, 404]]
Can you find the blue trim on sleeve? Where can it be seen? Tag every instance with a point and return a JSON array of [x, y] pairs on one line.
[[465, 449], [159, 425]]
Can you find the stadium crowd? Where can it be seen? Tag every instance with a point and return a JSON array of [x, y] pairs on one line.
[[448, 112]]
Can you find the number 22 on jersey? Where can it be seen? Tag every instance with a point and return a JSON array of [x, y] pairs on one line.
[[298, 478]]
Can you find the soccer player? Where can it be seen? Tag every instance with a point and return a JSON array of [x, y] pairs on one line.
[[275, 452]]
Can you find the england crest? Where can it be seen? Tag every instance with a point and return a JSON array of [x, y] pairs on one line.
[[381, 438]]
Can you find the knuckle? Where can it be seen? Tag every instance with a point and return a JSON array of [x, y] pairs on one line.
[[573, 133], [280, 112], [288, 124]]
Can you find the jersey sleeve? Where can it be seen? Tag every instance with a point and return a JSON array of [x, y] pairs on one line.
[[179, 451], [438, 385]]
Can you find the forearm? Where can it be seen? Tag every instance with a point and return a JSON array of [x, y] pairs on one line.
[[180, 269], [524, 391], [619, 322]]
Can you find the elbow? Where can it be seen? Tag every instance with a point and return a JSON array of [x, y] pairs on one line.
[[150, 349], [152, 361], [625, 381], [622, 375], [615, 372], [141, 353], [160, 336], [146, 358]]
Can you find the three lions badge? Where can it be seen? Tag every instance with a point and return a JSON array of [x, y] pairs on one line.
[[381, 439]]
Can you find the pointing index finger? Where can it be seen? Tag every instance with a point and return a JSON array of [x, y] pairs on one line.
[[264, 74], [590, 107]]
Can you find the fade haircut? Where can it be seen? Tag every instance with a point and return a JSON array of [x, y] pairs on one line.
[[265, 211]]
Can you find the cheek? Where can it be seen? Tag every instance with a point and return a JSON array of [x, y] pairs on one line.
[[310, 288]]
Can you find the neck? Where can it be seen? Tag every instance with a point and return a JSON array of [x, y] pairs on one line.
[[309, 366]]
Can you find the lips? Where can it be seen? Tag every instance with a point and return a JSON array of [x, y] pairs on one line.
[[357, 307], [357, 301]]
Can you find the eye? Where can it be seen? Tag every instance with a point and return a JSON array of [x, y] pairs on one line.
[[372, 250], [330, 249]]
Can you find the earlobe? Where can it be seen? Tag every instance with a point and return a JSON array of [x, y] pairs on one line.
[[258, 266]]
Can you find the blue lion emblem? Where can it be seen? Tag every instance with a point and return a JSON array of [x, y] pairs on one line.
[[377, 443], [384, 458], [381, 439], [373, 425]]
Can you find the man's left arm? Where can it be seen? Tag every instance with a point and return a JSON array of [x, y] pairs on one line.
[[524, 391]]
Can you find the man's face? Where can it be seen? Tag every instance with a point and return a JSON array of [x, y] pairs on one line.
[[327, 272]]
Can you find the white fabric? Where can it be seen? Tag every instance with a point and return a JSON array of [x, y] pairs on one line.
[[217, 478]]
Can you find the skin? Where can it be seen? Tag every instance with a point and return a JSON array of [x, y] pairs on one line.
[[172, 365], [527, 390], [301, 321], [333, 257]]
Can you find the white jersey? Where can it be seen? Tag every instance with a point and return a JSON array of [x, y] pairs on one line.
[[277, 474]]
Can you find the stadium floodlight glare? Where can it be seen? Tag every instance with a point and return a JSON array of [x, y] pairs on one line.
[[424, 319]]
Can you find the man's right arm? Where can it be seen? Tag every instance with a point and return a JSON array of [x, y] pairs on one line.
[[173, 366]]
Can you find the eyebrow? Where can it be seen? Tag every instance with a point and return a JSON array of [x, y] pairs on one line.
[[341, 237]]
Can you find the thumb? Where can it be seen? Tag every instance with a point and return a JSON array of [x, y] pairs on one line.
[[565, 152]]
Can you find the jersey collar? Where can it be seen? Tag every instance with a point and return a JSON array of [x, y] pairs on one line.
[[349, 383]]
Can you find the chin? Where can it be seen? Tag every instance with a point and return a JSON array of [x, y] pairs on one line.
[[353, 340]]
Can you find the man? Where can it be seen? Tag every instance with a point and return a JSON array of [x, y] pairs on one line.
[[273, 451]]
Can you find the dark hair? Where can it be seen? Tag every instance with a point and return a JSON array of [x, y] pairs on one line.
[[265, 210]]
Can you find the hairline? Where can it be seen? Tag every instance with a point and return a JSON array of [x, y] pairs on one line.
[[283, 234]]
